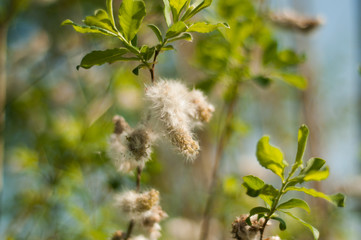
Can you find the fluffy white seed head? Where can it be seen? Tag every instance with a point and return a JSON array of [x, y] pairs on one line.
[[144, 209], [153, 216], [242, 231], [155, 232], [169, 104], [204, 110], [120, 125], [129, 148], [273, 238], [135, 204], [120, 154], [183, 140], [139, 144], [174, 111], [150, 221], [140, 237]]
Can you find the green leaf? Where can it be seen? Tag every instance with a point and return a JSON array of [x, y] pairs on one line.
[[292, 79], [109, 4], [268, 194], [100, 19], [156, 31], [248, 221], [293, 203], [167, 48], [337, 199], [270, 157], [282, 224], [253, 185], [131, 14], [176, 29], [187, 12], [270, 52], [167, 12], [263, 81], [88, 29], [147, 52], [135, 40], [314, 164], [317, 175], [135, 71], [290, 57], [184, 36], [204, 4], [258, 210], [302, 141], [107, 56], [314, 170], [176, 7], [203, 27], [315, 232]]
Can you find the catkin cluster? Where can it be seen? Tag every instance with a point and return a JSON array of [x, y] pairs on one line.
[[242, 231], [129, 148], [173, 112], [144, 209]]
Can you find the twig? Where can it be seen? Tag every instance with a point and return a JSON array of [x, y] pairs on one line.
[[263, 228], [139, 173], [130, 229], [139, 169], [152, 69]]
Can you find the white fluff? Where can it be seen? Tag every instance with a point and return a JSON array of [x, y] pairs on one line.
[[140, 237], [127, 154], [171, 113], [169, 104], [119, 153]]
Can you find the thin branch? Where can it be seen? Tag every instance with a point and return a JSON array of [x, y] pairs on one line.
[[263, 228], [139, 173], [130, 229], [152, 69]]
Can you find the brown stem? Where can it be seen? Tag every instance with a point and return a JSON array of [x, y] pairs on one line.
[[130, 230], [220, 149], [152, 69], [139, 173], [139, 169], [263, 228]]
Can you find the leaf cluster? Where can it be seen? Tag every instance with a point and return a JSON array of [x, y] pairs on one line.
[[177, 14], [248, 51], [271, 158]]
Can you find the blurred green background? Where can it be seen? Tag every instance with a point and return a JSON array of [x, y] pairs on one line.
[[59, 183]]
